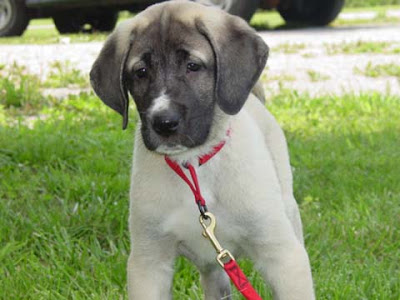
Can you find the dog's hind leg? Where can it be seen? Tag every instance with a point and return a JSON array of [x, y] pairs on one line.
[[216, 284], [276, 142], [282, 260]]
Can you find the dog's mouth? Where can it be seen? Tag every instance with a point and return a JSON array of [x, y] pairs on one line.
[[171, 145], [171, 149]]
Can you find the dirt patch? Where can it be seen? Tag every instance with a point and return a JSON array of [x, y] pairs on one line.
[[310, 69]]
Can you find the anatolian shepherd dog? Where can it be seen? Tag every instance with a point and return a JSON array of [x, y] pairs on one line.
[[190, 70]]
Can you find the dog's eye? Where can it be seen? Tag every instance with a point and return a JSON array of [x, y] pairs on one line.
[[192, 67], [141, 73]]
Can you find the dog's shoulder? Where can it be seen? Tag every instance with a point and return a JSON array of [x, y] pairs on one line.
[[260, 114]]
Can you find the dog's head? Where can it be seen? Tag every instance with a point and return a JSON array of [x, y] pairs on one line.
[[178, 60]]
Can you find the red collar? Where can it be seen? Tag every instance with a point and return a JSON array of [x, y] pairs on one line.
[[194, 184], [206, 157]]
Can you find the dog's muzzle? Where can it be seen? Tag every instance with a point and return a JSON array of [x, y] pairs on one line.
[[166, 123]]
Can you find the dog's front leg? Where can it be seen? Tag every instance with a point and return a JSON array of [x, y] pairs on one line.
[[283, 262], [216, 284], [150, 270]]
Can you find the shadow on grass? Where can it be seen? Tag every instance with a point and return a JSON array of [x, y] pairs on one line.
[[64, 189]]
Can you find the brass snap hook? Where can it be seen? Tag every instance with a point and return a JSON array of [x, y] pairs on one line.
[[208, 222]]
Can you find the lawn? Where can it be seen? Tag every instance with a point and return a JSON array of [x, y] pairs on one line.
[[64, 184]]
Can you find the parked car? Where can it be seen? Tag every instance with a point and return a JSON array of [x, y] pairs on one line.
[[72, 16]]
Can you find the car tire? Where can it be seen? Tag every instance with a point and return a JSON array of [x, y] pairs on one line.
[[76, 21], [241, 8], [104, 21], [312, 12], [69, 22], [14, 17]]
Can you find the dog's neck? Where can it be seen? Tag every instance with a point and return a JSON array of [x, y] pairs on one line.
[[203, 158], [220, 134]]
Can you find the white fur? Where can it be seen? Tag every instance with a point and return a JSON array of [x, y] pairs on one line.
[[161, 103], [171, 150], [247, 186]]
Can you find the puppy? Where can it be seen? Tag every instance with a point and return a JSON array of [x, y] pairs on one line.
[[190, 70]]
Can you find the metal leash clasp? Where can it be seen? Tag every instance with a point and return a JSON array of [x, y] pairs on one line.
[[208, 222]]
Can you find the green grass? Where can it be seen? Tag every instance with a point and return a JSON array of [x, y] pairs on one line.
[[264, 19], [51, 36], [380, 70], [309, 55], [283, 77], [21, 93], [37, 34], [369, 3], [360, 47], [18, 88], [289, 48], [344, 151], [381, 17], [63, 74], [380, 8], [43, 31], [64, 185], [317, 76], [378, 20]]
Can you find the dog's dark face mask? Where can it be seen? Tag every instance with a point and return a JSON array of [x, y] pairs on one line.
[[179, 60], [170, 75]]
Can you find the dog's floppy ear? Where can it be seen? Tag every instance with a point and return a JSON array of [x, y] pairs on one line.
[[240, 57], [107, 74]]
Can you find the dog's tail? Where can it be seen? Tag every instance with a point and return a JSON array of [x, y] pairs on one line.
[[258, 91]]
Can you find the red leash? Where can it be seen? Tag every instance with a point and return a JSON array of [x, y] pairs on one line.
[[208, 221]]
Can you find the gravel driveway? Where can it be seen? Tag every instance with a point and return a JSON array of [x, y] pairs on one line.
[[334, 73], [338, 69]]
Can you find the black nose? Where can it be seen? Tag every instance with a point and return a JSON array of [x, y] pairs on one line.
[[166, 124]]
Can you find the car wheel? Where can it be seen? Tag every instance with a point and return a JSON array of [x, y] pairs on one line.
[[77, 21], [13, 17], [69, 21], [104, 21], [314, 12], [241, 8]]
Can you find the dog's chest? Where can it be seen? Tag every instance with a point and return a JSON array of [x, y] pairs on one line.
[[178, 215], [239, 186], [183, 224]]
